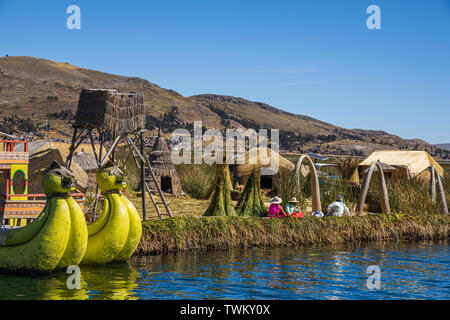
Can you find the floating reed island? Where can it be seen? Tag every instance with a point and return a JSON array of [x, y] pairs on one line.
[[408, 210], [207, 233]]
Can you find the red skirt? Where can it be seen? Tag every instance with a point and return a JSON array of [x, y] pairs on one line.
[[297, 214]]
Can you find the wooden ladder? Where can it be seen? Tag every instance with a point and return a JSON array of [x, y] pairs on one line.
[[150, 179]]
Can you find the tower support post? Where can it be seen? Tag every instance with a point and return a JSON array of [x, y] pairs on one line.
[[144, 213]]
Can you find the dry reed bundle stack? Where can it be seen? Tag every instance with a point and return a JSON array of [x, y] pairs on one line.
[[221, 203], [251, 204]]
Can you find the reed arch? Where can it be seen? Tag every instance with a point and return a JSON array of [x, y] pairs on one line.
[[314, 179], [436, 182], [383, 189]]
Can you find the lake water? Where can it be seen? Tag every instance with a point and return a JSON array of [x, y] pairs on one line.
[[408, 270]]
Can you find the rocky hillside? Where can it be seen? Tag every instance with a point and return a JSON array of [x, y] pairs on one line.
[[443, 146], [35, 90]]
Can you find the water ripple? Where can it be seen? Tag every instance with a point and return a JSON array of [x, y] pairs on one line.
[[409, 270]]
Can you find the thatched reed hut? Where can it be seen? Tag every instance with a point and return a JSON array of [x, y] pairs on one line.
[[110, 109], [407, 164], [42, 159], [82, 161], [161, 159], [261, 159]]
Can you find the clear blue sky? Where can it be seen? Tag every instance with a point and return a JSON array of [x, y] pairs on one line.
[[309, 57]]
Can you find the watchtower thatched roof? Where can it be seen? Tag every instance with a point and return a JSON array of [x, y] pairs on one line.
[[161, 160], [110, 109]]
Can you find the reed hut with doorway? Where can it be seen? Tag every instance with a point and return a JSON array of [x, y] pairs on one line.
[[400, 164], [164, 169]]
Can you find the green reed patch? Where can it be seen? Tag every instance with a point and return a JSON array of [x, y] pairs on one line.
[[196, 179]]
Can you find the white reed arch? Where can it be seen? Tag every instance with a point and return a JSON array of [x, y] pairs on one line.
[[383, 189], [315, 191]]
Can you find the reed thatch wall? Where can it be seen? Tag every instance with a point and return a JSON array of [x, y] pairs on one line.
[[110, 109], [193, 233]]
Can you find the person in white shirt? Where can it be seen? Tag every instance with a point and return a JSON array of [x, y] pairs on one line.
[[338, 208]]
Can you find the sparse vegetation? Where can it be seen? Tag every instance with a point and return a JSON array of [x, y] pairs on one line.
[[14, 124], [65, 114]]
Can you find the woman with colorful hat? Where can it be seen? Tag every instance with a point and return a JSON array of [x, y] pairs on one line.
[[292, 209], [275, 209]]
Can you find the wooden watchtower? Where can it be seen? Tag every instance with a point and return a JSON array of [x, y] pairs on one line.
[[111, 118]]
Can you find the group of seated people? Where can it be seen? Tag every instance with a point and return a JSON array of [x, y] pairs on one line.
[[276, 210], [336, 208]]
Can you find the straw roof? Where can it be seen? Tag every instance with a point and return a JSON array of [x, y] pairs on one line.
[[415, 161], [161, 160], [110, 109], [263, 158], [42, 159], [85, 160], [384, 166], [64, 147], [36, 146]]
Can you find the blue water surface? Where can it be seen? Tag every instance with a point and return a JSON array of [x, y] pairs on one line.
[[408, 270]]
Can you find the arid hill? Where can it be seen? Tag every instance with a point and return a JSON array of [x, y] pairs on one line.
[[443, 145], [35, 90]]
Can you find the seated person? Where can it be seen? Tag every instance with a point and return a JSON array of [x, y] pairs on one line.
[[338, 208], [292, 209], [275, 209], [318, 214]]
